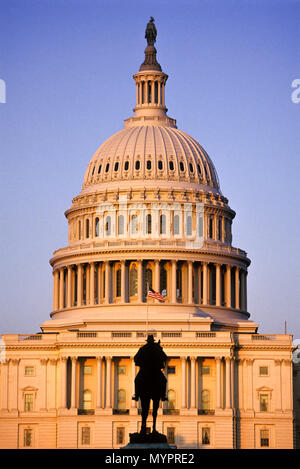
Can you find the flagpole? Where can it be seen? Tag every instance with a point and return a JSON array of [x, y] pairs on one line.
[[147, 308]]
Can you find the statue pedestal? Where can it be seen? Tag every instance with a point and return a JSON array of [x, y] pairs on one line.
[[147, 441]]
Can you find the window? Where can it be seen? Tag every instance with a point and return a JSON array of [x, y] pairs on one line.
[[121, 404], [162, 224], [200, 226], [220, 229], [108, 226], [93, 171], [199, 169], [149, 92], [263, 371], [118, 282], [99, 169], [171, 435], [205, 399], [171, 165], [148, 224], [179, 284], [28, 402], [79, 229], [160, 165], [116, 166], [171, 370], [133, 282], [86, 435], [264, 438], [191, 167], [126, 165], [121, 224], [87, 399], [205, 370], [107, 167], [210, 227], [189, 225], [134, 224], [28, 437], [148, 280], [171, 399], [176, 225], [87, 370], [264, 402], [156, 92], [120, 435], [148, 164], [29, 370], [121, 370], [97, 227], [181, 165], [87, 228], [205, 435], [163, 281], [137, 165]]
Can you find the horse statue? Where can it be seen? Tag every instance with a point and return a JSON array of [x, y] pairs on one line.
[[150, 382]]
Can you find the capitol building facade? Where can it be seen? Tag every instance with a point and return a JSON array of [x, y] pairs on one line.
[[150, 215]]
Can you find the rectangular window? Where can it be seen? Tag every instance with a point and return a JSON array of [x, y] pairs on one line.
[[28, 402], [86, 436], [206, 436], [29, 370], [205, 370], [171, 435], [264, 438], [87, 370], [171, 370], [264, 402], [121, 370], [120, 435], [28, 437], [263, 371]]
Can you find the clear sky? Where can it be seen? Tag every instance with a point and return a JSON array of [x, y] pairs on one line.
[[68, 67]]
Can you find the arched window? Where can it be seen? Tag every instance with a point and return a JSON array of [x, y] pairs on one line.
[[189, 225], [148, 280], [87, 399], [181, 165], [148, 224], [118, 282], [205, 400], [137, 165], [171, 165], [134, 224], [99, 169], [191, 167], [121, 404], [162, 224], [121, 224], [163, 281], [97, 227], [133, 287], [87, 228], [148, 164], [116, 166], [79, 229], [176, 225], [126, 165], [108, 226], [107, 167], [171, 399], [160, 165]]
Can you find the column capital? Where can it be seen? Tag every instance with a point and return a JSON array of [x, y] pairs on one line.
[[99, 358], [44, 361]]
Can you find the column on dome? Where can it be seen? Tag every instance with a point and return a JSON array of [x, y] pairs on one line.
[[218, 285], [173, 281], [228, 286], [190, 282], [243, 300], [92, 283], [205, 282], [79, 285], [69, 286], [61, 288], [237, 288], [55, 289]]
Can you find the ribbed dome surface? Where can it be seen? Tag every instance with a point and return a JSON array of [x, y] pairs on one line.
[[151, 152]]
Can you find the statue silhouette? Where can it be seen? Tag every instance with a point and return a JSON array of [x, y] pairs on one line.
[[150, 382]]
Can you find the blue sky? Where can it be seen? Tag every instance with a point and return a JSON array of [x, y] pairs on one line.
[[68, 67]]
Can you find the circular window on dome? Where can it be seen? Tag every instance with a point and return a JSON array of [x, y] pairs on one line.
[[181, 165], [126, 165], [107, 167], [171, 165], [191, 167], [148, 164], [116, 166], [137, 165], [160, 165]]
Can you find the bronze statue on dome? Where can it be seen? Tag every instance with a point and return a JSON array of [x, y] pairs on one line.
[[151, 32]]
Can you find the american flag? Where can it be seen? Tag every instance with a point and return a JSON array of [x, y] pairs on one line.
[[156, 295]]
